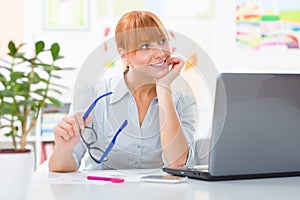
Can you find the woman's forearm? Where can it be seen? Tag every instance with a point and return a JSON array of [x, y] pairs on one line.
[[61, 161], [174, 145]]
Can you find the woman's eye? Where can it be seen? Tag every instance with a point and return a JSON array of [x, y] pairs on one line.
[[145, 46], [162, 41]]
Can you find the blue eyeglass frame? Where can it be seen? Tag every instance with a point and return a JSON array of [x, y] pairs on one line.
[[113, 141]]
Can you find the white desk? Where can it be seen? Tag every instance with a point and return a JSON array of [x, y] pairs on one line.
[[74, 186]]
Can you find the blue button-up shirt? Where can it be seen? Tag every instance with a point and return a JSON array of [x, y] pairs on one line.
[[137, 146]]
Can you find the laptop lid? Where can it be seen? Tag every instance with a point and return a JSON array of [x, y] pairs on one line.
[[256, 124]]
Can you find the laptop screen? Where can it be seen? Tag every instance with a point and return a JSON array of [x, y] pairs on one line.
[[256, 124]]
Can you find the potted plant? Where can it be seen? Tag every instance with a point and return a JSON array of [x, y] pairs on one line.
[[27, 83]]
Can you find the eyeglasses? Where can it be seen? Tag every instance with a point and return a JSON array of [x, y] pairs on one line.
[[90, 136]]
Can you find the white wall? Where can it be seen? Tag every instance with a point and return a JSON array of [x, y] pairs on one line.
[[77, 45], [227, 57], [215, 35], [10, 10]]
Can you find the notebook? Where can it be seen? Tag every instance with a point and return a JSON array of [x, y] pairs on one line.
[[255, 128]]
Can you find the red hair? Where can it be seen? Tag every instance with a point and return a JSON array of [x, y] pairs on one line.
[[136, 27]]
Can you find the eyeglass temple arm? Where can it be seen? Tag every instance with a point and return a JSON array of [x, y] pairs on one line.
[[112, 143], [91, 107]]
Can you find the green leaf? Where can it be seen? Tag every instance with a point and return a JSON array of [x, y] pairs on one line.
[[69, 68], [39, 47], [8, 108], [3, 79], [21, 56], [45, 81], [7, 93], [59, 85], [55, 90], [56, 76], [40, 92], [27, 102], [49, 68], [4, 67], [17, 75], [4, 126], [21, 118], [36, 78], [59, 57], [21, 89], [10, 134], [55, 101], [12, 48], [55, 51]]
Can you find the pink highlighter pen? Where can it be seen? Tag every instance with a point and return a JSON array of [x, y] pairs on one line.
[[99, 178]]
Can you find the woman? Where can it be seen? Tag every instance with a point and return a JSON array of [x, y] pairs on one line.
[[161, 122]]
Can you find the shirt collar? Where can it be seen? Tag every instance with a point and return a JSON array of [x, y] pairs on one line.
[[120, 89]]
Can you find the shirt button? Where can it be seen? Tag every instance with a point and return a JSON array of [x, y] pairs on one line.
[[139, 146]]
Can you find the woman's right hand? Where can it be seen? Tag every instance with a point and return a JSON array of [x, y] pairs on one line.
[[67, 131]]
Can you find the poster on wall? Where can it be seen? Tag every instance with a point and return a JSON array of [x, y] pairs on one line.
[[272, 25], [66, 14], [163, 8]]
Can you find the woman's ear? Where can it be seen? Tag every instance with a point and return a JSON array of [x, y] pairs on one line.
[[121, 51], [123, 55]]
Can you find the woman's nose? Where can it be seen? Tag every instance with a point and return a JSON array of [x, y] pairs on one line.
[[158, 51]]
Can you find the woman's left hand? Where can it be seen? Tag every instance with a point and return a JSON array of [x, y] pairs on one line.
[[177, 65]]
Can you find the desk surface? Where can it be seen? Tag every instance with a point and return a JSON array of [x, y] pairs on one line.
[[62, 186]]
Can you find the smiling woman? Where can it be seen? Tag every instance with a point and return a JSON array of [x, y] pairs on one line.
[[161, 121]]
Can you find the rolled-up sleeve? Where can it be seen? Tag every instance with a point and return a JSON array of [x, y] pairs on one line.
[[78, 152]]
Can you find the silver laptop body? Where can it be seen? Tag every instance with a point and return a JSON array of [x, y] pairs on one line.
[[256, 127]]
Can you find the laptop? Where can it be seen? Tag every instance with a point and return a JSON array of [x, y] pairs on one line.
[[255, 129]]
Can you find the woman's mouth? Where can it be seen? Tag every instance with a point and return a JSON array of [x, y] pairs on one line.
[[160, 64]]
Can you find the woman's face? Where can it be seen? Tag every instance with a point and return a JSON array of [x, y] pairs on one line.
[[151, 59]]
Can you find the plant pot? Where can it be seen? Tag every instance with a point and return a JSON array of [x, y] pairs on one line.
[[16, 169]]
